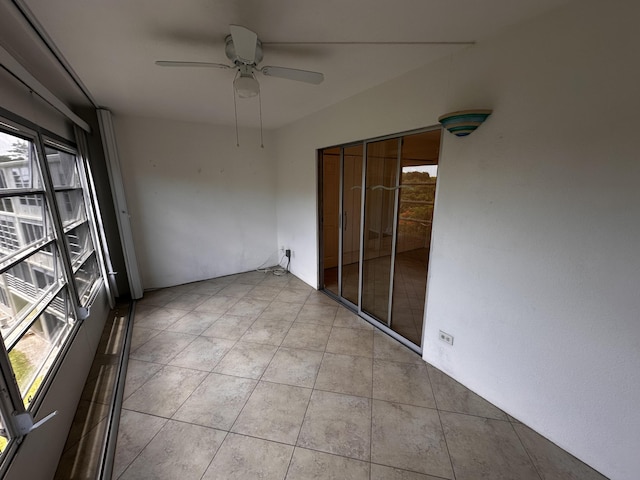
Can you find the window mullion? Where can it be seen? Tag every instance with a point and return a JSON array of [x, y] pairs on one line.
[[76, 224], [17, 192], [58, 228], [22, 255], [10, 397]]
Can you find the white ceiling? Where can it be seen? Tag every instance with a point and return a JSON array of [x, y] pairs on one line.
[[112, 46]]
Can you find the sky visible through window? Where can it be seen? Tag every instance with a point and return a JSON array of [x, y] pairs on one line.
[[7, 142], [432, 170]]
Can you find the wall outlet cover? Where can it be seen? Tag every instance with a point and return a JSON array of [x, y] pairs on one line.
[[445, 337]]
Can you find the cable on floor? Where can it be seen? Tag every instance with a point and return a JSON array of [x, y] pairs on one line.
[[277, 269]]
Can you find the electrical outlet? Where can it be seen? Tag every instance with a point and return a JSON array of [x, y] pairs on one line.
[[287, 253], [282, 248], [445, 337]]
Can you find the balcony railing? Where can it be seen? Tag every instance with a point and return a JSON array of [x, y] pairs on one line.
[[30, 292]]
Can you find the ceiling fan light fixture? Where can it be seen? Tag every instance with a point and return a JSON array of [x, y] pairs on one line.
[[246, 86]]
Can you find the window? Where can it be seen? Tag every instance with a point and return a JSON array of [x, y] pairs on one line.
[[8, 235], [31, 200], [3, 296], [79, 241], [63, 168], [71, 204], [20, 177], [42, 278], [48, 264], [85, 277], [18, 162], [23, 226], [31, 232], [71, 201], [6, 205]]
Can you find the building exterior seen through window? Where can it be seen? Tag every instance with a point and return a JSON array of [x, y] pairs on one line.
[[48, 263]]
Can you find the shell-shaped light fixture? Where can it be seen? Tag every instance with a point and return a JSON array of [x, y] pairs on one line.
[[463, 122]]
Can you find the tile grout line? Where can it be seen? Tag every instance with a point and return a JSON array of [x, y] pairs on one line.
[[163, 365], [444, 410], [410, 471], [444, 435], [143, 448], [208, 372], [260, 379], [373, 355], [159, 330], [535, 467], [313, 389], [214, 455], [188, 397], [257, 380], [171, 359], [228, 432]]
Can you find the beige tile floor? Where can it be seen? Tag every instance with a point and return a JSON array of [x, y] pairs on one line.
[[255, 376]]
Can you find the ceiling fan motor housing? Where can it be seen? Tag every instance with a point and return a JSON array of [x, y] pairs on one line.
[[230, 52]]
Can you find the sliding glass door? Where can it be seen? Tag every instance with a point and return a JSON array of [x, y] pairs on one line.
[[377, 199], [379, 223], [417, 189], [330, 217], [351, 208]]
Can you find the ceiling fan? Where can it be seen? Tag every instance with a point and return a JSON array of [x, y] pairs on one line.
[[244, 49]]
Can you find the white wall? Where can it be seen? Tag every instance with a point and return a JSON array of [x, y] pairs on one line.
[[535, 266], [201, 207]]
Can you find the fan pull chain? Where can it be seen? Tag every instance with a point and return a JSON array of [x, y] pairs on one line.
[[235, 108], [260, 103]]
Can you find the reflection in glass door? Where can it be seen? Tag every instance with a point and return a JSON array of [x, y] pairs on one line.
[[379, 215], [330, 178], [351, 202], [413, 240], [375, 243]]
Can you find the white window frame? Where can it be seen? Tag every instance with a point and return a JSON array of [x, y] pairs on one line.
[[16, 418]]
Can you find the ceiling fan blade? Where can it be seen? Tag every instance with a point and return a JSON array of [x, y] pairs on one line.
[[306, 76], [169, 63], [244, 42], [429, 42]]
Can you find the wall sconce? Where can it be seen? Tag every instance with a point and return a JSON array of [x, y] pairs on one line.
[[463, 122]]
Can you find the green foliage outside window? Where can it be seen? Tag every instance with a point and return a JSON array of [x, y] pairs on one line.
[[23, 369]]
